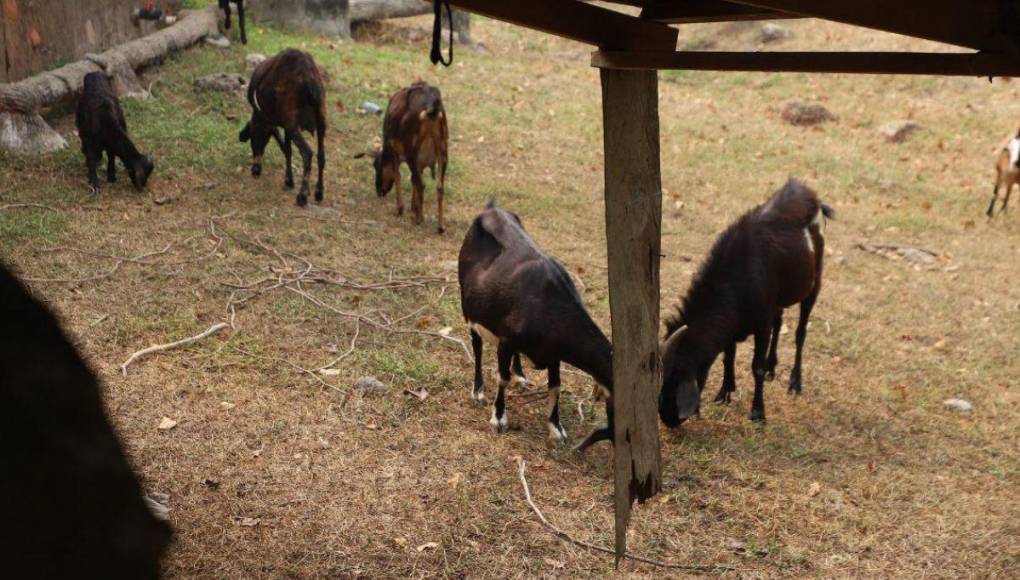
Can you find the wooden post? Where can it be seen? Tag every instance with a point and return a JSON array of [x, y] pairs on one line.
[[630, 118]]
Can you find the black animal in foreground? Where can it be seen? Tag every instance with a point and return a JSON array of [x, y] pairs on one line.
[[525, 302], [70, 506], [286, 91], [771, 258], [102, 127], [225, 6]]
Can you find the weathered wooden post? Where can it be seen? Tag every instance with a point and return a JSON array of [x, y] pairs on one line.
[[630, 117]]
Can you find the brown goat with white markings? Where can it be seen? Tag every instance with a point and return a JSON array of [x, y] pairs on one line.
[[1007, 172], [415, 132], [286, 91]]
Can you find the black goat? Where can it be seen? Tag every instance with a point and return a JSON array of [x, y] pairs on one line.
[[525, 302], [225, 6], [70, 505], [286, 91], [771, 258], [102, 127]]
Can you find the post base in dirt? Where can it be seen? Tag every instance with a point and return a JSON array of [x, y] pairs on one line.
[[630, 109]]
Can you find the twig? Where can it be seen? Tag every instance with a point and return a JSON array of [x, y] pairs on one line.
[[347, 353], [24, 205], [565, 536], [116, 266], [161, 347]]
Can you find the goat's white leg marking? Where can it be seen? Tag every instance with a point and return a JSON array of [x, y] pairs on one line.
[[556, 431], [807, 238], [498, 420]]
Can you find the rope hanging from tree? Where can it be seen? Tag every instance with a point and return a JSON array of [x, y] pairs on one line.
[[437, 32]]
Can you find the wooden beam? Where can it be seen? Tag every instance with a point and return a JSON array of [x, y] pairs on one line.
[[693, 11], [578, 21], [978, 24], [907, 63], [630, 119]]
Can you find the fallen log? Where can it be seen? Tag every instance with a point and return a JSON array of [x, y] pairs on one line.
[[22, 129], [360, 11]]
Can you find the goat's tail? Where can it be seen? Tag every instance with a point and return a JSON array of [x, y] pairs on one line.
[[828, 212], [314, 92], [491, 204]]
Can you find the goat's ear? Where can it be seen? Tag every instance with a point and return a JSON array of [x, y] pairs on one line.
[[245, 135]]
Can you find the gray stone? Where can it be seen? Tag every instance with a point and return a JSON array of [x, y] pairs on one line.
[[252, 61], [221, 82], [217, 40], [28, 134], [806, 114], [958, 405], [771, 32], [369, 385], [898, 131]]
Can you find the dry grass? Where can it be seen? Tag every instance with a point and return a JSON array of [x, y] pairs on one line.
[[344, 484]]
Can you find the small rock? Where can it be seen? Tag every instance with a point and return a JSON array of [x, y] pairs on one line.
[[958, 405], [369, 385], [221, 82], [252, 61], [806, 114], [166, 424], [898, 131], [771, 32], [369, 108], [217, 40], [158, 506]]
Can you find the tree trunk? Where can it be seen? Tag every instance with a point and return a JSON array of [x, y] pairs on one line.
[[369, 10], [21, 102], [630, 118]]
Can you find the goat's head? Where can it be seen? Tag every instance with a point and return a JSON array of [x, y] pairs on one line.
[[257, 133], [680, 397], [386, 170], [140, 170]]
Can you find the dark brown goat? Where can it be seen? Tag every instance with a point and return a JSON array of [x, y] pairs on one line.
[[225, 6], [771, 258], [415, 132], [286, 91], [525, 302], [102, 127], [70, 505]]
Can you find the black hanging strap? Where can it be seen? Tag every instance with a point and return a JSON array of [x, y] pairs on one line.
[[437, 32]]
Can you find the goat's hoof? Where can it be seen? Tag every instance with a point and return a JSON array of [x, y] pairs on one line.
[[318, 195], [441, 230], [478, 396], [758, 416], [722, 399], [499, 425], [94, 189], [256, 170], [557, 434], [302, 200], [288, 183], [400, 210], [770, 375], [794, 389]]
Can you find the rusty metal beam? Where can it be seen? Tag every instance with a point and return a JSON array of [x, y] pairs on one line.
[[947, 64], [979, 24], [693, 11], [579, 21]]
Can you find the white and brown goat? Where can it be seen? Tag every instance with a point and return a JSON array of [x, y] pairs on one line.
[[414, 132], [525, 302], [1007, 171]]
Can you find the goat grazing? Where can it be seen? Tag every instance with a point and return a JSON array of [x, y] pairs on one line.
[[771, 258], [525, 302], [102, 127], [286, 91], [71, 506], [225, 6], [415, 132], [1007, 172]]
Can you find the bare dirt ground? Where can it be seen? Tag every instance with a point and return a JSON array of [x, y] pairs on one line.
[[273, 471]]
